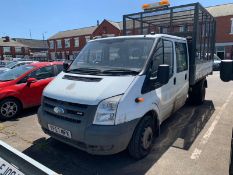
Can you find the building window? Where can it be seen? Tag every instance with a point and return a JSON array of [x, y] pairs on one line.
[[59, 44], [88, 38], [51, 44], [145, 31], [6, 49], [67, 43], [26, 49], [220, 51], [18, 49], [163, 30], [182, 28], [231, 25], [76, 42]]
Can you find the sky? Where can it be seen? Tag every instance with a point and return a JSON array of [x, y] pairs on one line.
[[35, 18]]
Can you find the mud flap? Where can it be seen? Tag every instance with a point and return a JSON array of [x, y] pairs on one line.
[[14, 162]]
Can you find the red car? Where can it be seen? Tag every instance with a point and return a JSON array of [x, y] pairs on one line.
[[22, 87]]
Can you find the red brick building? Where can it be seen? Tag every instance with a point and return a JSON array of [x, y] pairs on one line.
[[224, 29], [67, 44], [12, 49]]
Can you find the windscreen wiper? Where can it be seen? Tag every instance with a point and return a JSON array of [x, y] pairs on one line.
[[121, 71], [85, 70]]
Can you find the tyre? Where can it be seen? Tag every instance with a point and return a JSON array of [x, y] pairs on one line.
[[142, 139], [9, 108], [197, 95]]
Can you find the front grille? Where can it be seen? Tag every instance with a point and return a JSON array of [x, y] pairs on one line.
[[72, 112]]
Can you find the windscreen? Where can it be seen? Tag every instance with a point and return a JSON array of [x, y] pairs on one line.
[[12, 64], [127, 53], [15, 73]]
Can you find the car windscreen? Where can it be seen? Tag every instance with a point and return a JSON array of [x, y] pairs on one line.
[[12, 64], [114, 54], [216, 58], [15, 73]]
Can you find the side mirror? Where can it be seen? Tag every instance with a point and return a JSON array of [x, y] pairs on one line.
[[163, 74], [31, 80], [226, 70], [65, 66]]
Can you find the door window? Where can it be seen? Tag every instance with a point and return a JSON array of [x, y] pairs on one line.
[[157, 58], [163, 54], [181, 57], [168, 55], [58, 68], [43, 73], [39, 74]]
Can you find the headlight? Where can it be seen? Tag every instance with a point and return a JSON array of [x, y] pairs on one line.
[[106, 111]]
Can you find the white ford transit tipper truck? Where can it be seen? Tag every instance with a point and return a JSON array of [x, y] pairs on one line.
[[119, 90]]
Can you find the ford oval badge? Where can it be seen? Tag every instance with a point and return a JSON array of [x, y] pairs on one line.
[[58, 110]]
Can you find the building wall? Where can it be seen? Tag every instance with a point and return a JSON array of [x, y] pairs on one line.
[[224, 37], [24, 52], [63, 51], [69, 53], [106, 28], [223, 29]]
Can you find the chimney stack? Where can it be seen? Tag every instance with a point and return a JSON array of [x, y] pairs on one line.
[[98, 22]]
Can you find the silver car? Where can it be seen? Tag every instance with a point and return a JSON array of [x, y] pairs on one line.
[[14, 64]]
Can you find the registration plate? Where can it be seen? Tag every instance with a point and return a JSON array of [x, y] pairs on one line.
[[59, 131], [8, 169]]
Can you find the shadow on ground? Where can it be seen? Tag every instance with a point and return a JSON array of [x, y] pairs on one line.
[[179, 131]]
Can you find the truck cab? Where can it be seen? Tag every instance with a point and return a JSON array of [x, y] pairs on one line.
[[116, 93]]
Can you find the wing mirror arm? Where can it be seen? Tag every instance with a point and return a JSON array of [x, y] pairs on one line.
[[66, 66], [30, 81]]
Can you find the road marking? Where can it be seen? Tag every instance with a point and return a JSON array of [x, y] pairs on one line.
[[197, 151]]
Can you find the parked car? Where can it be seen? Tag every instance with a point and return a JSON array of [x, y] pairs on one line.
[[22, 86], [3, 63], [14, 64], [217, 62]]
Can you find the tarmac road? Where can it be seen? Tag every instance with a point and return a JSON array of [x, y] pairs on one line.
[[193, 141]]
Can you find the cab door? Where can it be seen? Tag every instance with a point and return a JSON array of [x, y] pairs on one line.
[[182, 73], [166, 95], [31, 94]]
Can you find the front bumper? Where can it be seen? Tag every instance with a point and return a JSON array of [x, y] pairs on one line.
[[94, 139]]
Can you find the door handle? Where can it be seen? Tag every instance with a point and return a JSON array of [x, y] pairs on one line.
[[185, 76], [175, 81]]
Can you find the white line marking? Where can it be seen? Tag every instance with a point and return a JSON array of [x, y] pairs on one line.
[[197, 152]]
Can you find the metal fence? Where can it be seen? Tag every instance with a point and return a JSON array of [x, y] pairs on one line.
[[192, 21]]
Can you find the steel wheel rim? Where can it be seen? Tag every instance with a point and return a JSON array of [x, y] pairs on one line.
[[147, 137], [9, 109]]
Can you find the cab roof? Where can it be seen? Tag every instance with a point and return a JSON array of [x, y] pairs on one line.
[[143, 36]]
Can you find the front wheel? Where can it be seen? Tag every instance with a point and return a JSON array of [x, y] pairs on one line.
[[9, 108], [142, 139]]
